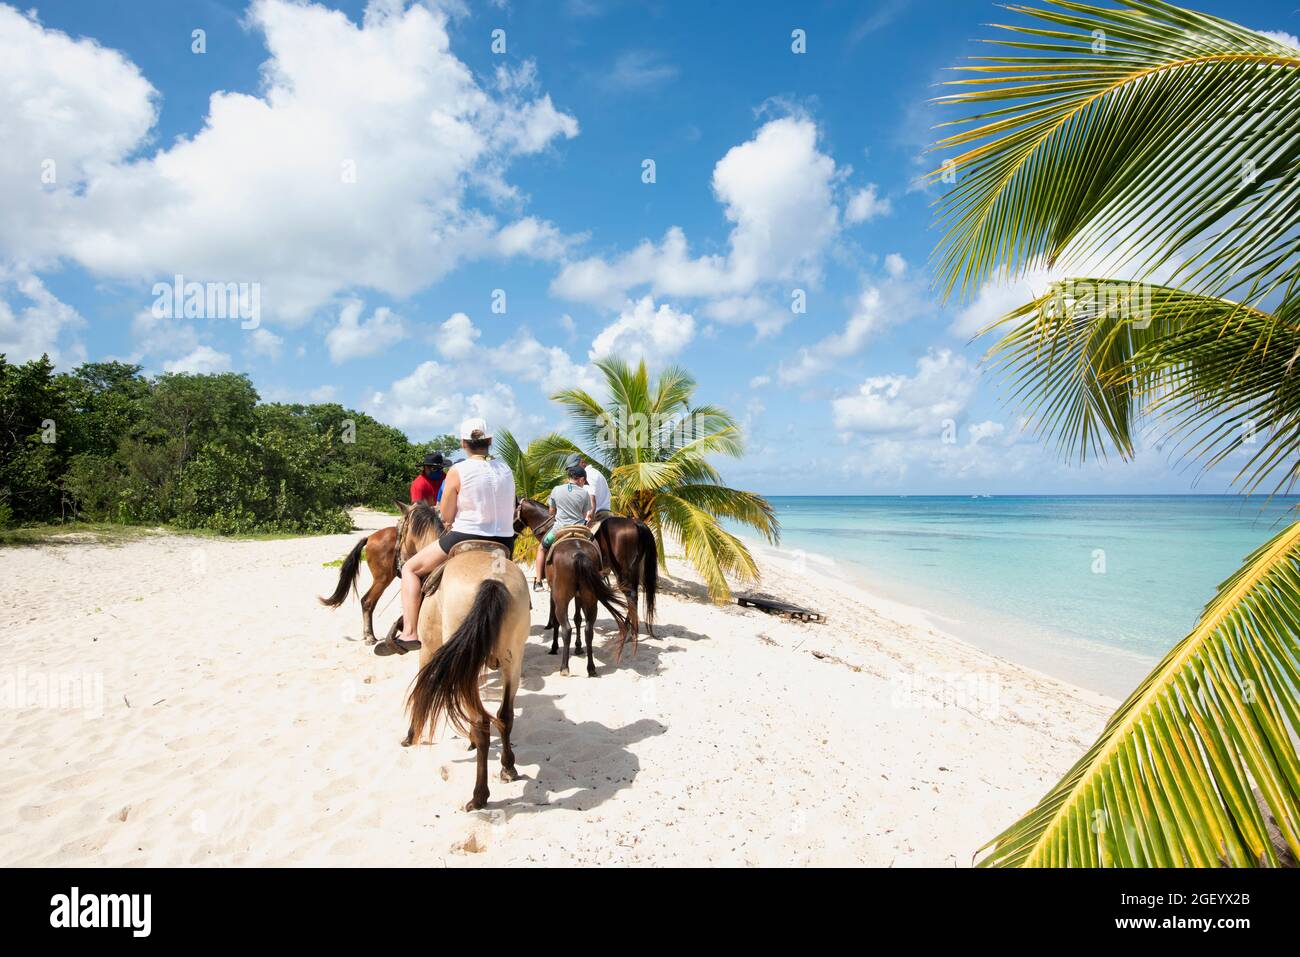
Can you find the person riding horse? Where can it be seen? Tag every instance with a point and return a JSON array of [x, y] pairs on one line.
[[478, 502], [596, 485], [427, 486], [570, 504]]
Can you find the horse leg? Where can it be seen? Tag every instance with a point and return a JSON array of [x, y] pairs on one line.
[[591, 640], [480, 741], [554, 625], [507, 718], [568, 636], [368, 603], [577, 628]]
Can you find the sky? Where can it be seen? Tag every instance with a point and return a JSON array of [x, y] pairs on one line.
[[450, 209]]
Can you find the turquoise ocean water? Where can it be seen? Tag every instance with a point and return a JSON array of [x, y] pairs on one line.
[[1092, 589]]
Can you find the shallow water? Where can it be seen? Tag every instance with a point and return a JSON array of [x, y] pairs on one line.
[[1093, 589]]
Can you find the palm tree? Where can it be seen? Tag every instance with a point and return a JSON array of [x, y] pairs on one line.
[[1165, 143], [654, 447]]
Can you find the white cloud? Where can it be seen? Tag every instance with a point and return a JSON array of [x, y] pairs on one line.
[[759, 381], [1281, 36], [264, 342], [777, 190], [640, 70], [643, 332], [893, 299], [37, 327], [204, 359], [372, 177], [865, 205], [69, 107], [941, 389], [431, 400], [456, 336], [352, 337]]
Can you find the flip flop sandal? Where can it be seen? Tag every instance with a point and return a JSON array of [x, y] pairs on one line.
[[395, 646]]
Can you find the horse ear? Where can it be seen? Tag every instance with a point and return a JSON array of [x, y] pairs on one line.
[[403, 507]]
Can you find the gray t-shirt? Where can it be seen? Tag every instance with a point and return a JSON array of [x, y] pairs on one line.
[[571, 503]]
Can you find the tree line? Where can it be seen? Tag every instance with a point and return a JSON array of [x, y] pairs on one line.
[[106, 443]]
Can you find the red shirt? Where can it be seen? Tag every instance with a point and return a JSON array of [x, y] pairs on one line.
[[423, 490]]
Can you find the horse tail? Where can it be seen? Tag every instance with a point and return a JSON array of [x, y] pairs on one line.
[[347, 576], [447, 686], [649, 572], [589, 577]]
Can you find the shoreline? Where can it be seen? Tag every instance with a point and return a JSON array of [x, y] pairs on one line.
[[1050, 659], [241, 723]]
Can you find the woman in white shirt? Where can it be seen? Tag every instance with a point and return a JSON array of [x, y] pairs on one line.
[[478, 501]]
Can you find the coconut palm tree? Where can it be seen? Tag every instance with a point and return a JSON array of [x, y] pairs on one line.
[[653, 446], [1161, 144]]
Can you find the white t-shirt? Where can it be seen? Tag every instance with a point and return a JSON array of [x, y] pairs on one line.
[[598, 487], [486, 502]]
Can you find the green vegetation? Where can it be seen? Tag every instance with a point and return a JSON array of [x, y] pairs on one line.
[[654, 446], [1166, 139], [106, 445]]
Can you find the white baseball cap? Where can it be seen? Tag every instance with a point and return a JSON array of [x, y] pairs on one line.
[[470, 426]]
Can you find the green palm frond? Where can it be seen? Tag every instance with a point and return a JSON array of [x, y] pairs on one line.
[[1178, 131], [655, 449], [1172, 780], [1210, 375]]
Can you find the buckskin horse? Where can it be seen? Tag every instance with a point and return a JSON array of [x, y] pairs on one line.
[[573, 572], [478, 617], [418, 526]]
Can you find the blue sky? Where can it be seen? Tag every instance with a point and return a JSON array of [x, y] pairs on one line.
[[381, 173]]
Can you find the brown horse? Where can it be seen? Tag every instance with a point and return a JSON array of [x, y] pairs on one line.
[[628, 549], [573, 572], [478, 617], [420, 524]]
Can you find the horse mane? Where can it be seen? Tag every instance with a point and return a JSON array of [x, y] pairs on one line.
[[423, 520]]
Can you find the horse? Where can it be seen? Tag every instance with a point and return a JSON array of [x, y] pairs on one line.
[[628, 548], [573, 572], [420, 524], [478, 616]]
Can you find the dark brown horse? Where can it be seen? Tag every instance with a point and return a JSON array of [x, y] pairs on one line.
[[420, 524], [573, 572], [628, 549]]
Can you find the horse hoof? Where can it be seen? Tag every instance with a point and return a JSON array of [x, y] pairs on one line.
[[509, 774], [371, 640], [476, 804], [553, 651], [407, 742], [591, 673]]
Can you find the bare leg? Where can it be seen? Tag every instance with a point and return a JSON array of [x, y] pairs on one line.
[[417, 566], [480, 740]]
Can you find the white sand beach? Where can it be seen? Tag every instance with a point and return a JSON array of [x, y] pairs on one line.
[[230, 719]]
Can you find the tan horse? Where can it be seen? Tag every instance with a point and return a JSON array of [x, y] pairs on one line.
[[478, 617]]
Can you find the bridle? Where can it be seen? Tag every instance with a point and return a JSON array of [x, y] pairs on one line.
[[540, 529]]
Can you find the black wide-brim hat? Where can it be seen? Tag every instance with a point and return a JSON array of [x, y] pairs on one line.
[[435, 460]]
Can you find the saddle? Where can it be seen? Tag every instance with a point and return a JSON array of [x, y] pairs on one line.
[[598, 518], [434, 578], [568, 533]]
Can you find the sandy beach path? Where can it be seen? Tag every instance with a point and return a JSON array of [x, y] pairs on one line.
[[228, 719]]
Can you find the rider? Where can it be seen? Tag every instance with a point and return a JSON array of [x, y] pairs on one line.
[[427, 486], [478, 501], [571, 504], [596, 485]]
